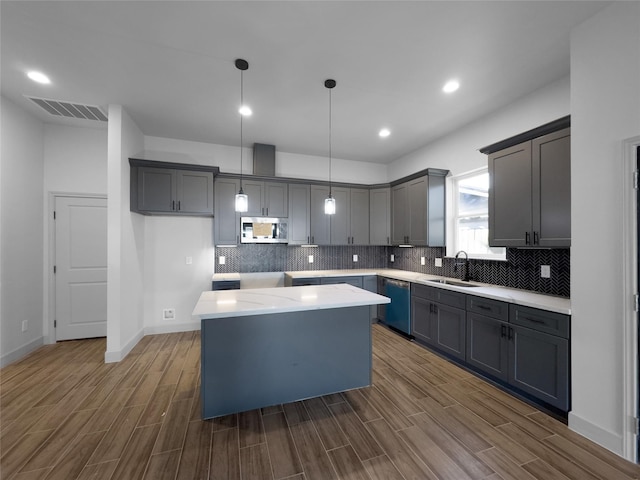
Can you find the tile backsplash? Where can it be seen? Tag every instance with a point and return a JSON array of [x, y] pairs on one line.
[[520, 270]]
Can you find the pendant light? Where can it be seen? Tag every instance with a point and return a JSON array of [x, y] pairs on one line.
[[330, 202], [242, 200]]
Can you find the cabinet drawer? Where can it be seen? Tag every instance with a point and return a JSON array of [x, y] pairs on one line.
[[490, 308], [439, 295], [225, 285], [299, 282], [355, 281], [541, 320]]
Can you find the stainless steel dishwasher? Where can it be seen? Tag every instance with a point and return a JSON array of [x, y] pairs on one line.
[[397, 314]]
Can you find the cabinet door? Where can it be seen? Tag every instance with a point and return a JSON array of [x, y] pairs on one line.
[[436, 211], [380, 216], [487, 345], [299, 211], [359, 213], [195, 192], [510, 196], [400, 214], [418, 190], [255, 194], [539, 365], [320, 227], [341, 220], [276, 199], [552, 199], [421, 320], [226, 223], [156, 189], [451, 330]]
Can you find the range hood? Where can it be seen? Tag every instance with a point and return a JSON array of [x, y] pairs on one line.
[[264, 160]]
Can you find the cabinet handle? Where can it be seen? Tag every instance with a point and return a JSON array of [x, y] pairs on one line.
[[503, 331], [510, 333], [484, 307], [534, 320], [237, 239], [178, 205], [307, 238], [312, 239], [173, 205], [527, 238], [267, 211], [536, 238]]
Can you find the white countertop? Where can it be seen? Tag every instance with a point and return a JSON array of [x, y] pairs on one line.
[[260, 301], [496, 292]]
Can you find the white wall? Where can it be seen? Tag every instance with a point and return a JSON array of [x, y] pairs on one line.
[[287, 164], [168, 281], [21, 215], [126, 240], [75, 162], [458, 151], [605, 107]]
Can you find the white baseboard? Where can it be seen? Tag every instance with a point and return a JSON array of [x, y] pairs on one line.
[[172, 328], [21, 352], [116, 356], [599, 435]]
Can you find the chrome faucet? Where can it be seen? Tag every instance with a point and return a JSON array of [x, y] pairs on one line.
[[464, 264]]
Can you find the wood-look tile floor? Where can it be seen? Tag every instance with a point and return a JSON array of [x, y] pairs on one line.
[[66, 415]]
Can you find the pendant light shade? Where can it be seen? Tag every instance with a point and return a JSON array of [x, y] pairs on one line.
[[329, 202], [242, 199]]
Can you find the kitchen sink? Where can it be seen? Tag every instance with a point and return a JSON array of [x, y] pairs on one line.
[[454, 283]]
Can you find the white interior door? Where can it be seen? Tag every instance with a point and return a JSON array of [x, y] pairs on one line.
[[80, 267]]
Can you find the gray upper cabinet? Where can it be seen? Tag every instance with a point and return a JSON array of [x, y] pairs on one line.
[[319, 221], [418, 211], [159, 188], [267, 199], [380, 216], [530, 193], [350, 223], [299, 214], [226, 223]]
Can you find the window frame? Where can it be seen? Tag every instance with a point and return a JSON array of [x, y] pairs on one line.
[[454, 216]]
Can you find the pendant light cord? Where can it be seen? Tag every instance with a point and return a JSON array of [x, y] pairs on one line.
[[329, 142], [241, 104]]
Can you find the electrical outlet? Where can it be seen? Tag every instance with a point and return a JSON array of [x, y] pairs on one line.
[[392, 258], [169, 314], [25, 325], [545, 271], [355, 258], [422, 261], [438, 262], [222, 260], [310, 258], [189, 260]]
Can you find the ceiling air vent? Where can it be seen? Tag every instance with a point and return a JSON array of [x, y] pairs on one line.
[[70, 109]]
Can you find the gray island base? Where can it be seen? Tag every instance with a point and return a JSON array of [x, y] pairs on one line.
[[254, 360]]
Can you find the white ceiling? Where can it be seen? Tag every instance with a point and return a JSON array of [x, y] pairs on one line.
[[171, 65]]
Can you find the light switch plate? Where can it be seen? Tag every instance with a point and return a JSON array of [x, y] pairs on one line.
[[310, 258], [393, 258], [169, 313], [422, 261], [355, 258], [222, 260], [438, 262], [545, 271], [189, 260]]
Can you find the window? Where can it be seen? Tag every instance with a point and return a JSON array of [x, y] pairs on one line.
[[471, 216]]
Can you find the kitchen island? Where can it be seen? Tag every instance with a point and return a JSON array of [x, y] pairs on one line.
[[267, 346]]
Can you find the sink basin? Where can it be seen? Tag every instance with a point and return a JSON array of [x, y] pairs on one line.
[[444, 281]]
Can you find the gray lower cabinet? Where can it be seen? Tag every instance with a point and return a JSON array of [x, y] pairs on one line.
[[170, 191], [439, 319], [226, 222], [526, 357]]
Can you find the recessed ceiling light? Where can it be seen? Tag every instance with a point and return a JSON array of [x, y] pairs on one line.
[[451, 86], [38, 77], [245, 111], [385, 132]]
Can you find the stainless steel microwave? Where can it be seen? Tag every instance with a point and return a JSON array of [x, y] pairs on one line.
[[263, 230]]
